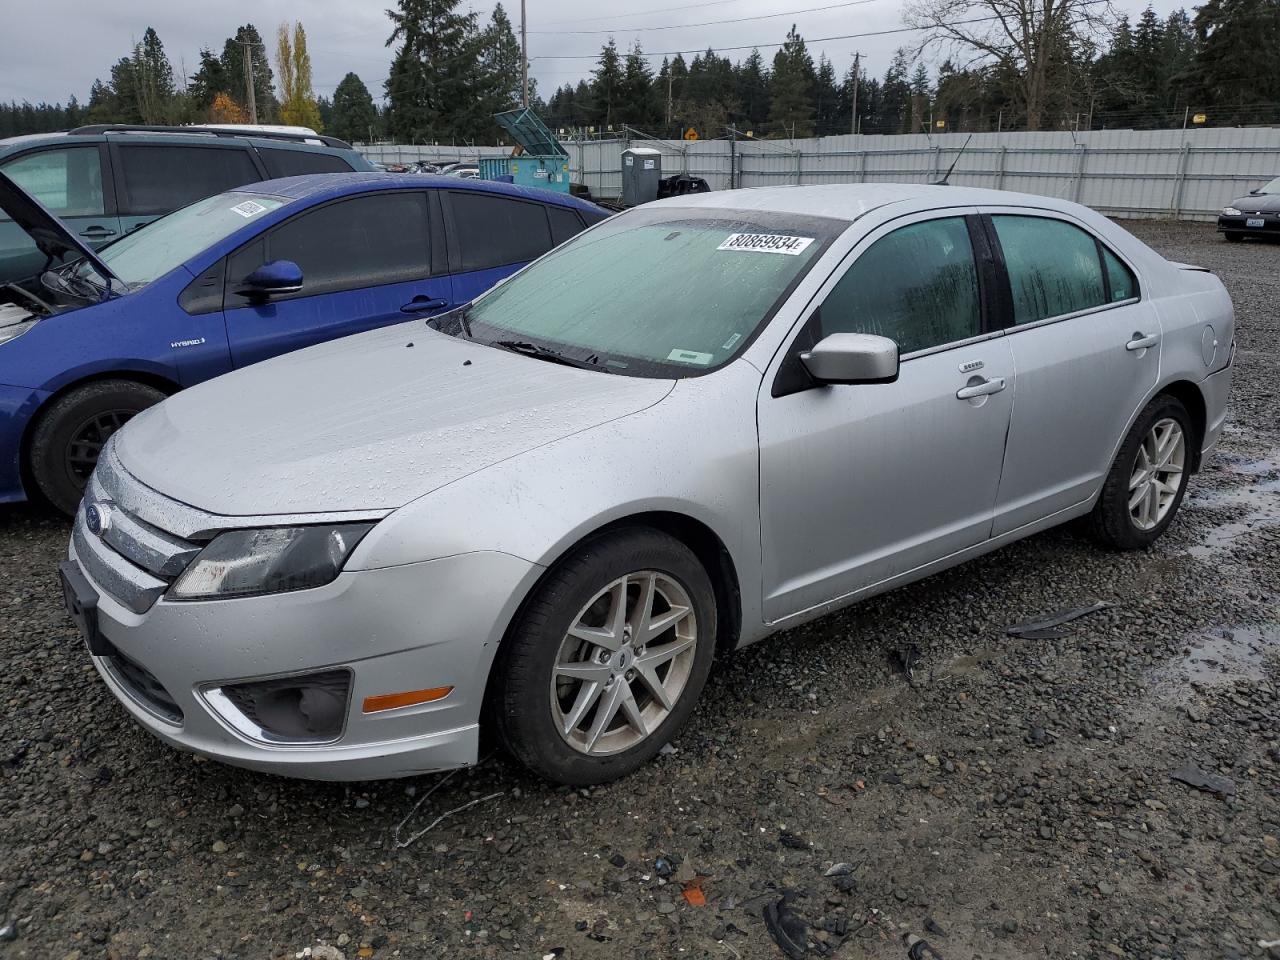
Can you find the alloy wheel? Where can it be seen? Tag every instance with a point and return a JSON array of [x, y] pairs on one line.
[[624, 663], [1157, 474]]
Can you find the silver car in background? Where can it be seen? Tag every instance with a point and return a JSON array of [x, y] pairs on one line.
[[702, 421]]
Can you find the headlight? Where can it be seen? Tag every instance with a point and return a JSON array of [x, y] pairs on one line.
[[1230, 212], [242, 563]]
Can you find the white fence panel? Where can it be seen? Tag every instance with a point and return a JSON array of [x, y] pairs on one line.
[[1188, 174]]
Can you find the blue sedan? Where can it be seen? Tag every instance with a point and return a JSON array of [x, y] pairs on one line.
[[230, 280]]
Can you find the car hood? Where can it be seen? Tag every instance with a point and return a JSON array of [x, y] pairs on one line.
[[1260, 203], [367, 422], [51, 236]]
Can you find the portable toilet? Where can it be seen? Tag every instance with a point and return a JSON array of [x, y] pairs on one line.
[[543, 162], [641, 171]]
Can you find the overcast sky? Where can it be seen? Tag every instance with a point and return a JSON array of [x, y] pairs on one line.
[[70, 42]]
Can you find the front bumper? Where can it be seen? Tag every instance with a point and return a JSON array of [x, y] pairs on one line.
[[1270, 224], [17, 406], [430, 624]]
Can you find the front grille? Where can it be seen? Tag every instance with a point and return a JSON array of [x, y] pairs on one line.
[[143, 686], [133, 559]]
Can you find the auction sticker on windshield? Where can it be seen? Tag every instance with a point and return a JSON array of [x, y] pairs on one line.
[[250, 208], [766, 243]]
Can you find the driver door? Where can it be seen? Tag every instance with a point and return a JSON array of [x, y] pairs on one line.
[[862, 483]]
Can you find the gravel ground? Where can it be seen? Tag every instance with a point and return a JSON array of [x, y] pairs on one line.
[[1013, 800]]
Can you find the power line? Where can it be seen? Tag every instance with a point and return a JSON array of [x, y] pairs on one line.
[[713, 23], [643, 13], [769, 46]]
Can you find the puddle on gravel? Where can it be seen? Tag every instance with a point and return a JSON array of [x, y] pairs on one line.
[[1217, 657], [1261, 505]]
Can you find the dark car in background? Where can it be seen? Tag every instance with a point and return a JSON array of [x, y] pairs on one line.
[[108, 180], [1257, 214]]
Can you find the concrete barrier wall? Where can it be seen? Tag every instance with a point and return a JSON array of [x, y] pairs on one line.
[[1183, 174]]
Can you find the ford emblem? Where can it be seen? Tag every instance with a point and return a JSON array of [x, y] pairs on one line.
[[97, 517]]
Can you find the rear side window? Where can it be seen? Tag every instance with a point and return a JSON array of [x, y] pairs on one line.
[[158, 179], [67, 181], [362, 242], [917, 286], [1053, 267], [564, 224], [495, 231], [296, 163], [1124, 285]]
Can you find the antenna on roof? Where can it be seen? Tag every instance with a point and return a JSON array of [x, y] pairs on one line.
[[947, 176]]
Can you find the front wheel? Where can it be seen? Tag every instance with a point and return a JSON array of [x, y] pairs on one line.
[[70, 434], [1233, 237], [1145, 485], [607, 659]]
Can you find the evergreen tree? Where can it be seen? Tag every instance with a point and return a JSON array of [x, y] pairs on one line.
[[791, 110], [354, 115], [753, 91], [499, 67], [606, 86], [895, 103], [636, 102], [209, 80], [1235, 65], [248, 42], [432, 83], [826, 100]]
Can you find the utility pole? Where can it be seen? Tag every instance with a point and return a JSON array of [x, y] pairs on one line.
[[853, 123], [524, 59], [668, 97], [248, 80]]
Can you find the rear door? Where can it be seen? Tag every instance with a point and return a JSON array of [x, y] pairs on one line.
[[153, 179], [492, 236], [1086, 344], [73, 183], [366, 262]]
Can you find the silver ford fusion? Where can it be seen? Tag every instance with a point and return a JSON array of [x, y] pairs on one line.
[[699, 422]]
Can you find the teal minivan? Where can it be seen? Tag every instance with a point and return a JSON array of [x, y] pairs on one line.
[[106, 181]]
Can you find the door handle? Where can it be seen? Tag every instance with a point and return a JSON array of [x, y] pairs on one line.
[[983, 389], [97, 233], [423, 305], [1142, 340]]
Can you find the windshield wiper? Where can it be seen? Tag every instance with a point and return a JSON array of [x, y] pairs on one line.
[[543, 353]]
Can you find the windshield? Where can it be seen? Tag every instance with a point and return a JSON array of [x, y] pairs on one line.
[[141, 257], [1272, 187], [659, 292]]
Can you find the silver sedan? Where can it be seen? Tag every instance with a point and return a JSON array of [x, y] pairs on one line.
[[700, 422]]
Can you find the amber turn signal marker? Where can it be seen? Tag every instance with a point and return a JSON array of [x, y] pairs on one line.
[[409, 698]]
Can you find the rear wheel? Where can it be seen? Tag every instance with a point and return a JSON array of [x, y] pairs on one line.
[[70, 434], [1145, 485], [608, 658]]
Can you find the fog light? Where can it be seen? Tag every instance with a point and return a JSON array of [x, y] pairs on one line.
[[306, 708]]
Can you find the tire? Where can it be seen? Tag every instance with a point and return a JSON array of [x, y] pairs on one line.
[[533, 704], [69, 434], [1233, 237], [1115, 522]]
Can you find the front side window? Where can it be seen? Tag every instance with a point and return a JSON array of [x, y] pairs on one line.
[[158, 179], [362, 242], [1272, 187], [1053, 267], [67, 181], [660, 292], [146, 255], [917, 286]]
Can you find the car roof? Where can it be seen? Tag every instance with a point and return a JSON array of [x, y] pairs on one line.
[[323, 186], [258, 138], [849, 201]]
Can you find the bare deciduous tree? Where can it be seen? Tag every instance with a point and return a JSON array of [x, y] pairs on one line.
[[1034, 40]]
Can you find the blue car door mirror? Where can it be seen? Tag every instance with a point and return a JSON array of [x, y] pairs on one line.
[[271, 279]]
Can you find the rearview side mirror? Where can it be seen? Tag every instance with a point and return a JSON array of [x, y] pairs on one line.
[[1255, 192], [852, 358], [271, 279]]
